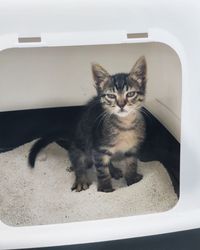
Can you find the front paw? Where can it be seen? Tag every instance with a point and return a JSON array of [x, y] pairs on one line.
[[116, 173], [134, 178], [80, 184], [105, 186], [106, 190]]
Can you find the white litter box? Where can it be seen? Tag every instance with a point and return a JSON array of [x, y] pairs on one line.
[[46, 52]]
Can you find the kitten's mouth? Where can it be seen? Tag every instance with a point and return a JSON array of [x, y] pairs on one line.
[[122, 111]]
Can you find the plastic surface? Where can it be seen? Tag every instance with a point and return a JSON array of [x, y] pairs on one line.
[[77, 22]]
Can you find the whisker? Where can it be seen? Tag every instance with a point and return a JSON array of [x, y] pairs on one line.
[[102, 118], [99, 116], [146, 113]]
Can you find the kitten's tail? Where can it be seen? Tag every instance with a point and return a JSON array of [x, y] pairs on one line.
[[37, 147], [62, 138]]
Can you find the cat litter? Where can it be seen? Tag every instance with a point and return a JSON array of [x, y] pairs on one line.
[[43, 195]]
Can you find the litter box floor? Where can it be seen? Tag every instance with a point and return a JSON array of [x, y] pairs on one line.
[[43, 195]]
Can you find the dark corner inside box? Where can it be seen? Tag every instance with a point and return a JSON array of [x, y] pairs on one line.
[[20, 127]]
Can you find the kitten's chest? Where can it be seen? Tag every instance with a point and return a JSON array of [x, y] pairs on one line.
[[124, 141]]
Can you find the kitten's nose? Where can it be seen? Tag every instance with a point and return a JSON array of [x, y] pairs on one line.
[[121, 105]]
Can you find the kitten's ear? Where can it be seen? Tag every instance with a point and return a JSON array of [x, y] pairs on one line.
[[139, 71], [100, 75]]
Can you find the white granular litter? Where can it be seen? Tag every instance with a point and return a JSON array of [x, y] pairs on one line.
[[43, 195]]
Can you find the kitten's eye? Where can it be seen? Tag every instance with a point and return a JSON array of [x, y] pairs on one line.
[[111, 96], [131, 94]]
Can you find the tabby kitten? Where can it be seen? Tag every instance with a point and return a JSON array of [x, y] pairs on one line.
[[110, 130]]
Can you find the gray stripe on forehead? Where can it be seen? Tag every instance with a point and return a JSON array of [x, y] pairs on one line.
[[120, 81]]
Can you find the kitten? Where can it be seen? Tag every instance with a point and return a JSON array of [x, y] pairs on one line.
[[109, 132]]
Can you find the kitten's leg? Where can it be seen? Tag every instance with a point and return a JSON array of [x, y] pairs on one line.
[[81, 181], [116, 173], [130, 171], [102, 162], [80, 163]]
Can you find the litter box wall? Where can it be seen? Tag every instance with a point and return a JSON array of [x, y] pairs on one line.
[[75, 23], [61, 76]]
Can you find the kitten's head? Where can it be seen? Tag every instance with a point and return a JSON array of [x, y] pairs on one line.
[[121, 94]]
